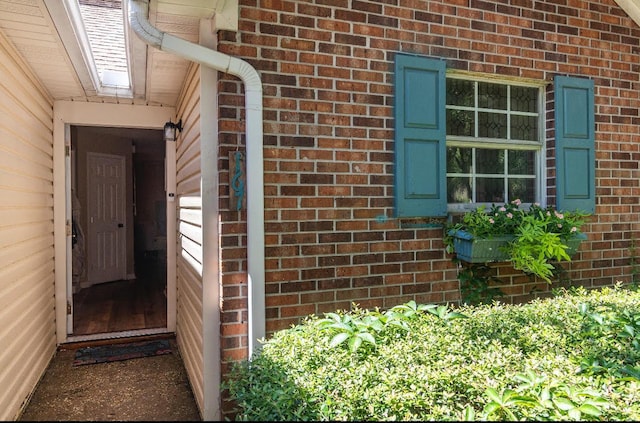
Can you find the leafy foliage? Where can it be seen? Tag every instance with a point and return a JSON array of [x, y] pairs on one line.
[[354, 329], [475, 284], [572, 357], [541, 234], [534, 248]]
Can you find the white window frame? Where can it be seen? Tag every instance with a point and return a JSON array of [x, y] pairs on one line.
[[465, 141]]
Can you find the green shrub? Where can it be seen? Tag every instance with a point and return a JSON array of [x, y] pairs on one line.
[[572, 357]]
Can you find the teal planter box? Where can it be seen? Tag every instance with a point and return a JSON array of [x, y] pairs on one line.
[[481, 250], [486, 250], [574, 243]]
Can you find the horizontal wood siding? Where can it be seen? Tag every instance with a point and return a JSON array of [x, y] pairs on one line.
[[27, 309], [189, 260]]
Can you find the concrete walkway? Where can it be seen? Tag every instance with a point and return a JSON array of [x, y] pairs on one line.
[[143, 389]]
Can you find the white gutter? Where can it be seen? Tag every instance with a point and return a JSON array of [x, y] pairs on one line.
[[254, 145]]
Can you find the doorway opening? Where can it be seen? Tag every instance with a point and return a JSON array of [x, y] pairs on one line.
[[119, 229]]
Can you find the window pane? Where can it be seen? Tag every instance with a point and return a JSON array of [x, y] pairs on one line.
[[459, 92], [522, 162], [524, 128], [490, 161], [523, 189], [459, 189], [492, 96], [490, 190], [460, 122], [458, 160], [524, 99], [492, 125], [509, 114]]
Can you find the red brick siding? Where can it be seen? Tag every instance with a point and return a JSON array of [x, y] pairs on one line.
[[327, 67]]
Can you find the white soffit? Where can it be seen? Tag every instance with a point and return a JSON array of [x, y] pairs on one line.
[[225, 12], [29, 27]]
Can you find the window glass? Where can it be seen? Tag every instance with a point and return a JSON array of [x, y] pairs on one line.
[[459, 189], [493, 141], [492, 96], [524, 127], [522, 162], [460, 92], [460, 123], [459, 160], [524, 99], [490, 161], [492, 125], [522, 189], [490, 190], [459, 183]]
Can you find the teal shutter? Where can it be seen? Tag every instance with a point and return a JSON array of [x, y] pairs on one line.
[[575, 144], [420, 133]]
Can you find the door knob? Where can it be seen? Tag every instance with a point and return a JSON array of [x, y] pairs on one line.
[[120, 225]]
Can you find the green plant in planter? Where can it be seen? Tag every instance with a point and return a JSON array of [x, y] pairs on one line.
[[534, 247], [539, 235]]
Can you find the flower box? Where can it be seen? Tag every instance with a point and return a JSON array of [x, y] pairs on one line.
[[484, 250], [574, 243], [481, 250], [548, 235]]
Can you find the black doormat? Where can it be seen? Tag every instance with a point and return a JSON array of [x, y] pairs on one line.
[[119, 352]]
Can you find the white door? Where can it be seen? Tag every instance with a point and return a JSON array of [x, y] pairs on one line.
[[106, 238]]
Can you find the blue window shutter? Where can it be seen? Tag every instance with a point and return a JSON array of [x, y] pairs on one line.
[[420, 136], [575, 144]]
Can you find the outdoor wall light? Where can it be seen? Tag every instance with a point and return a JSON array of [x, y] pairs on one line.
[[171, 130]]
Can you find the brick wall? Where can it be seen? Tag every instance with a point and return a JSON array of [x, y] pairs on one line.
[[326, 66]]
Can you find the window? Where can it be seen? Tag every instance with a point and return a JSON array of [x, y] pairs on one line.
[[461, 142], [494, 142]]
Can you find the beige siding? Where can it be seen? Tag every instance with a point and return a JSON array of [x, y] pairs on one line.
[[27, 309], [189, 261]]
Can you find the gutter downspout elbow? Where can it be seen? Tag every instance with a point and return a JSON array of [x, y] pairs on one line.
[[254, 146]]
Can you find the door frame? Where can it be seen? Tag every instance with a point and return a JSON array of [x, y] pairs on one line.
[[66, 114]]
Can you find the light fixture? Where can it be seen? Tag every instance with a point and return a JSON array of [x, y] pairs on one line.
[[171, 130]]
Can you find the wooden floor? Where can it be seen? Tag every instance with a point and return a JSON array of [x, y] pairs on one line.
[[121, 305]]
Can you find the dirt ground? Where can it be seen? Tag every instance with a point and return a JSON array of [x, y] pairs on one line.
[[143, 389]]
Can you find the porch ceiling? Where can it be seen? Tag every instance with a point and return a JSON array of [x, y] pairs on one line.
[[42, 31]]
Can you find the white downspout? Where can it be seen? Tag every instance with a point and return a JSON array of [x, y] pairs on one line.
[[254, 144]]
